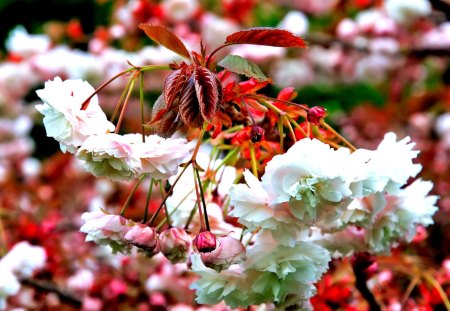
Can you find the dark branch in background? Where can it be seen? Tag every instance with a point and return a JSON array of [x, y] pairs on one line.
[[326, 40], [52, 288], [360, 263]]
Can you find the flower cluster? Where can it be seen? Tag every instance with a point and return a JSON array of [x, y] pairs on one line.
[[81, 128], [309, 199], [19, 263]]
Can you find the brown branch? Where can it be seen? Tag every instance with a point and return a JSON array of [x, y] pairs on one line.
[[50, 287], [360, 263]]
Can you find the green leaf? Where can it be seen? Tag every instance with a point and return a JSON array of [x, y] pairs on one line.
[[242, 66]]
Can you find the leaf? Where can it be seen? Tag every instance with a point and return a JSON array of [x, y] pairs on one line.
[[189, 107], [166, 38], [266, 36], [242, 66], [209, 92], [164, 122], [173, 86]]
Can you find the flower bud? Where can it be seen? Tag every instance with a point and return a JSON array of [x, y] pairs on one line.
[[315, 114], [256, 134], [143, 237], [205, 242], [228, 252], [175, 244]]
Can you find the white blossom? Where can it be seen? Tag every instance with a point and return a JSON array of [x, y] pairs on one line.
[[9, 285], [161, 157], [385, 169], [110, 155], [212, 287], [311, 177], [403, 11], [23, 259], [20, 42], [64, 118]]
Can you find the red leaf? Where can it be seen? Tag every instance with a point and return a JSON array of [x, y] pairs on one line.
[[163, 121], [209, 92], [189, 107], [166, 38], [266, 36], [173, 86]]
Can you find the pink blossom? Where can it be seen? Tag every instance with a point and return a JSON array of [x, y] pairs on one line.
[[175, 244], [143, 237], [228, 251], [106, 229]]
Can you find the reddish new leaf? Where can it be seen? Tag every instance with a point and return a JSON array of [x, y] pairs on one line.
[[166, 38], [189, 106], [173, 86], [164, 122], [266, 36], [209, 92]]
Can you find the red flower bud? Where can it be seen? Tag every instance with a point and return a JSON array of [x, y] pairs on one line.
[[315, 114], [205, 242], [257, 134]]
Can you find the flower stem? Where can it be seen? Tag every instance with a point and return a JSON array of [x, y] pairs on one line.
[[147, 201], [124, 106], [85, 104], [208, 61], [427, 276], [297, 125], [254, 162], [280, 131], [135, 187], [199, 205], [203, 199], [165, 206], [119, 102], [335, 133], [150, 222], [141, 102]]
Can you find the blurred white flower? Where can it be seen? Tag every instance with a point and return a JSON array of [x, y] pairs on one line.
[[23, 259], [347, 29], [106, 229], [9, 285], [73, 64], [404, 11], [82, 280], [215, 29], [179, 10], [292, 72], [21, 43], [438, 37], [64, 118], [295, 22], [111, 155]]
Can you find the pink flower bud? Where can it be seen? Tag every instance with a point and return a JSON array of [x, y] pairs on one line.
[[205, 242], [256, 134], [143, 237], [228, 252], [175, 244], [315, 114]]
